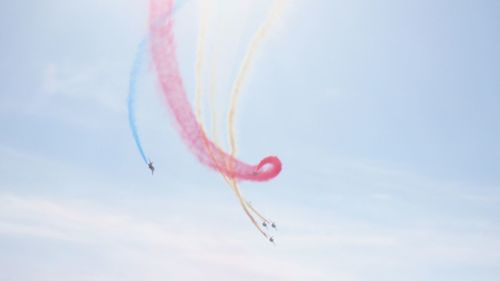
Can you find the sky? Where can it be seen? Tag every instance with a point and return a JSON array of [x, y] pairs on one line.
[[384, 114]]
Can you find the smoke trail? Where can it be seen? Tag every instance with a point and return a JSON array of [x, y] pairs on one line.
[[167, 69], [132, 90], [200, 52], [214, 155], [247, 60], [233, 184], [133, 80]]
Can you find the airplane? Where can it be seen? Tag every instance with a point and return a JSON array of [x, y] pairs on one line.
[[151, 167]]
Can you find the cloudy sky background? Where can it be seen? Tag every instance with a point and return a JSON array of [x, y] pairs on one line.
[[385, 115]]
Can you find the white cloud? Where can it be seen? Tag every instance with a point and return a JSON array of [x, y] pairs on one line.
[[334, 249], [35, 218], [312, 242]]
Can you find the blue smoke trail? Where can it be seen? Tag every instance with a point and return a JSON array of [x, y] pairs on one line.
[[134, 77], [132, 92]]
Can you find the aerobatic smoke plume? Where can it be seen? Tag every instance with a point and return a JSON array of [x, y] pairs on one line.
[[162, 44], [134, 74], [189, 123]]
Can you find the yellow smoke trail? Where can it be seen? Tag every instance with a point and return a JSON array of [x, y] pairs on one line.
[[236, 91], [212, 101], [198, 111], [200, 53], [247, 60]]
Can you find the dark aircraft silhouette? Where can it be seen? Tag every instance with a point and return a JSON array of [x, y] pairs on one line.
[[151, 167]]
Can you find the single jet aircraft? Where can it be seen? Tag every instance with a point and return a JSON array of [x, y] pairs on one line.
[[151, 167]]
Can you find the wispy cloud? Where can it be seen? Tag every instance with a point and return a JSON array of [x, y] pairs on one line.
[[35, 218], [331, 247]]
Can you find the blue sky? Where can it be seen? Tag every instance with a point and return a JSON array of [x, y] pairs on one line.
[[384, 114]]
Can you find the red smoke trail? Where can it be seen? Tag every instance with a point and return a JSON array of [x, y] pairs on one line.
[[167, 69]]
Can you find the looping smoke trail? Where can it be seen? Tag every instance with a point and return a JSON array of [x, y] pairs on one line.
[[164, 58]]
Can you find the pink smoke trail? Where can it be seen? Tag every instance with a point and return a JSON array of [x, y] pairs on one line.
[[167, 69]]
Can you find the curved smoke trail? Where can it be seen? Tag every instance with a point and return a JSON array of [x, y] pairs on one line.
[[133, 80], [244, 68], [162, 46], [258, 37], [233, 184], [132, 92]]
